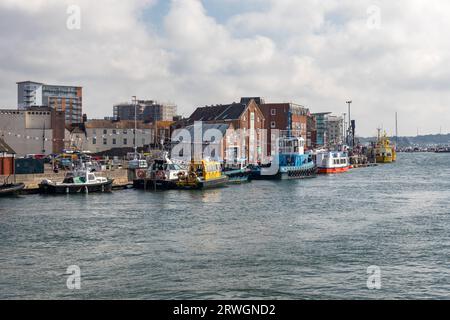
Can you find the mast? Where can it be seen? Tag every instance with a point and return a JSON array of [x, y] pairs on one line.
[[396, 128]]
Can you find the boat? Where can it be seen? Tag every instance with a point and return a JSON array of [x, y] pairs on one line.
[[384, 150], [10, 189], [78, 181], [202, 174], [162, 174], [291, 163], [330, 162], [237, 173]]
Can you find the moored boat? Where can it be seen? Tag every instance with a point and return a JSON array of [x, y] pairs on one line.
[[202, 174], [291, 163], [79, 181], [162, 174], [10, 189], [384, 150], [331, 162]]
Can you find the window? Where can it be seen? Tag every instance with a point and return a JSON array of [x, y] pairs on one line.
[[114, 131], [105, 141], [105, 131], [273, 112], [114, 141], [125, 141], [273, 124], [94, 141]]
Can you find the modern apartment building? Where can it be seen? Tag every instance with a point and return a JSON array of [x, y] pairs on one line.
[[329, 129], [67, 99], [146, 110]]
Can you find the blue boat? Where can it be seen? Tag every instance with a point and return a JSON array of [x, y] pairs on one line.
[[291, 162]]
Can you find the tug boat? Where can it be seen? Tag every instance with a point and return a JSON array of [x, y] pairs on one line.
[[161, 175], [79, 181], [292, 162], [384, 150], [202, 174], [331, 162]]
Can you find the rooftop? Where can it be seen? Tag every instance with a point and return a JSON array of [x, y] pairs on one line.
[[122, 124], [219, 112]]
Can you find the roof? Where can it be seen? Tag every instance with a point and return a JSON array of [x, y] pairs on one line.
[[207, 126], [122, 124], [5, 148], [219, 112]]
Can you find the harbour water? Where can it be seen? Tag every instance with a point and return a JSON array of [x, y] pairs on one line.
[[307, 239]]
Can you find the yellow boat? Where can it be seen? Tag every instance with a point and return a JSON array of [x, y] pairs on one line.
[[384, 150], [201, 175]]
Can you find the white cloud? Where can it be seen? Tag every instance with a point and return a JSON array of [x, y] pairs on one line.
[[317, 53]]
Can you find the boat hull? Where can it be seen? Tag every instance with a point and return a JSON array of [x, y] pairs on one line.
[[11, 189], [287, 174], [238, 176], [204, 184], [332, 170], [384, 159], [151, 184], [49, 188]]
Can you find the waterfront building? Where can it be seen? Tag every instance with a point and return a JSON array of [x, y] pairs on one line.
[[213, 148], [103, 135], [329, 129], [67, 99], [245, 117], [289, 119], [335, 129], [146, 110], [36, 130]]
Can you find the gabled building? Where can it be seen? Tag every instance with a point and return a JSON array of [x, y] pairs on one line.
[[246, 118]]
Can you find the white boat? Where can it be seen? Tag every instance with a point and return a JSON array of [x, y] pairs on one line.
[[329, 162], [163, 173], [79, 181]]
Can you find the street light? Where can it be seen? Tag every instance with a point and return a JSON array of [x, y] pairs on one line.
[[350, 131], [135, 126]]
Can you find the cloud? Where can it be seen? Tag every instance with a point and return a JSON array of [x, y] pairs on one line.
[[311, 52]]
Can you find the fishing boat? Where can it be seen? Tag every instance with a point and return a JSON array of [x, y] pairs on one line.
[[291, 163], [79, 181], [202, 174], [330, 162], [10, 189], [384, 150], [162, 174]]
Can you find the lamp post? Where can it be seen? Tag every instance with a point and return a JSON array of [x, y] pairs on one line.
[[350, 131], [135, 126]]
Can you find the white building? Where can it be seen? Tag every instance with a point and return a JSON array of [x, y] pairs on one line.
[[103, 135], [335, 130]]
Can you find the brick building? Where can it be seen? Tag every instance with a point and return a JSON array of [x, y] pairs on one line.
[[245, 117]]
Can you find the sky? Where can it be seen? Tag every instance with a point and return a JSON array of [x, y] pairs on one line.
[[385, 56]]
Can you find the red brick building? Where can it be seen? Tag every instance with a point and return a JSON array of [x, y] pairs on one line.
[[245, 117], [287, 118]]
